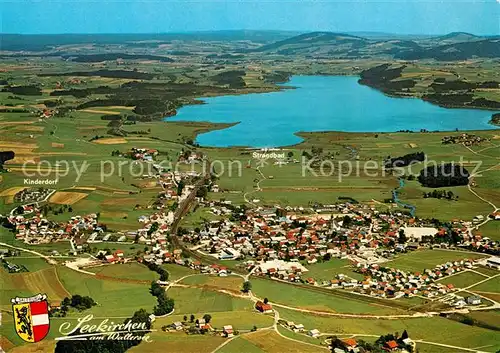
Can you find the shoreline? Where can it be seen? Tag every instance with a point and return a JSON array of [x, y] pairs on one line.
[[281, 87]]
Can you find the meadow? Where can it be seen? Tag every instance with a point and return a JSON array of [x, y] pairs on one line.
[[195, 300], [132, 270], [328, 270], [114, 298], [305, 298], [231, 283], [434, 329], [417, 261], [462, 280]]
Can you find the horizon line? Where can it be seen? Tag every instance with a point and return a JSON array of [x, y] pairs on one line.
[[250, 30]]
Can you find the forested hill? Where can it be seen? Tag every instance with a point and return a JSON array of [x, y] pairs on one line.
[[238, 44], [454, 46], [489, 48]]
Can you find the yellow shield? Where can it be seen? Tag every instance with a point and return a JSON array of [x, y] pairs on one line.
[[23, 321]]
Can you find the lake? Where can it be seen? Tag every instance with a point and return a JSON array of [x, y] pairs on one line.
[[321, 103]]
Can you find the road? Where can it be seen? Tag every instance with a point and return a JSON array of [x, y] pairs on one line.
[[257, 187], [45, 257]]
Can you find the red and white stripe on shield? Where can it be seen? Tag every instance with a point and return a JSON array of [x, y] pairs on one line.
[[40, 319]]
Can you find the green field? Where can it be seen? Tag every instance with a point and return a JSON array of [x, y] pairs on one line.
[[131, 270], [419, 260], [491, 230], [492, 285], [327, 270], [194, 300], [176, 271], [33, 264], [232, 283], [462, 280], [302, 297], [240, 344], [178, 342], [450, 332], [487, 271], [114, 298]]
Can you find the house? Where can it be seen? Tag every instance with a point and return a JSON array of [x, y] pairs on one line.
[[473, 300], [203, 325], [110, 258], [263, 308], [54, 305], [177, 325], [228, 331], [314, 333], [350, 344], [496, 215], [298, 327], [391, 346], [493, 262]]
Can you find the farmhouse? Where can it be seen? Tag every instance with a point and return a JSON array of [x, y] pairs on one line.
[[314, 333], [493, 262], [228, 331], [263, 307], [473, 300]]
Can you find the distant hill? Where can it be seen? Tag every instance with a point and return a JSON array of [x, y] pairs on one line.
[[43, 42], [237, 44], [453, 46], [486, 48], [457, 37], [315, 43]]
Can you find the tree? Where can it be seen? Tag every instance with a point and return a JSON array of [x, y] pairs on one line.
[[402, 236], [185, 318], [191, 318], [156, 290], [266, 300], [207, 318], [404, 335], [247, 286], [346, 221]]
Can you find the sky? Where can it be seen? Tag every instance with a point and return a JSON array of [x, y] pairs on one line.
[[480, 17]]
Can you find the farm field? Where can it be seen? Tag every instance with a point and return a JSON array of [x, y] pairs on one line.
[[463, 279], [491, 230], [451, 332], [271, 342], [194, 300], [232, 283], [490, 317], [419, 260], [327, 270], [32, 263], [131, 270], [114, 298], [492, 285], [487, 271], [304, 298], [175, 271], [178, 342], [28, 284], [240, 344]]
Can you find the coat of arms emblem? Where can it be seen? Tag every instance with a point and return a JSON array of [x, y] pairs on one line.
[[31, 317]]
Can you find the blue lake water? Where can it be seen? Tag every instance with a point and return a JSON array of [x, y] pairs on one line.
[[321, 103]]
